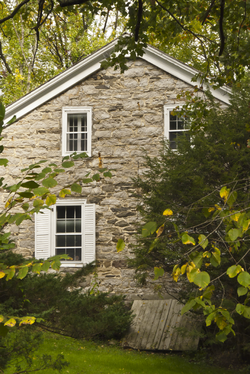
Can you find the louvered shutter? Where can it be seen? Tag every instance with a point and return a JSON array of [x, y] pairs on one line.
[[89, 233], [42, 234]]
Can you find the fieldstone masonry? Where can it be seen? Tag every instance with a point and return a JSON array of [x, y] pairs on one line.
[[127, 116]]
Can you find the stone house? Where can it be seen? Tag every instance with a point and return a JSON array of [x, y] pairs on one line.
[[108, 114]]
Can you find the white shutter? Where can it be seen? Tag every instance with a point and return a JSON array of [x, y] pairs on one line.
[[89, 233], [42, 234]]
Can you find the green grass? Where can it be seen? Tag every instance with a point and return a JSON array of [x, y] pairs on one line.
[[92, 358]]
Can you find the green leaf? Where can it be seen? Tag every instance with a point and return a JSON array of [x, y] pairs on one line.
[[242, 291], [234, 234], [22, 272], [203, 241], [87, 180], [148, 229], [59, 170], [159, 272], [186, 239], [12, 120], [30, 184], [68, 164], [232, 271], [2, 111], [45, 266], [46, 170], [244, 279], [38, 202], [56, 265], [25, 194], [3, 330], [3, 161], [96, 177], [25, 206], [210, 318], [189, 305], [36, 268], [120, 245], [198, 260], [75, 187], [232, 198], [107, 174], [221, 336], [40, 191], [49, 182], [201, 279], [243, 310], [21, 218]]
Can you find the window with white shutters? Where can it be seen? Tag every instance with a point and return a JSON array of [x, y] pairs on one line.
[[68, 228], [76, 130], [174, 125]]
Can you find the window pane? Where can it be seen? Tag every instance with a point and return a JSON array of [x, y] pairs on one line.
[[78, 254], [70, 212], [60, 211], [78, 226], [181, 123], [172, 137], [84, 142], [60, 225], [78, 211], [60, 240], [84, 122], [70, 225], [70, 252], [172, 125], [60, 251]]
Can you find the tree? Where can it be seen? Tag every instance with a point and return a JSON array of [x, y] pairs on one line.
[[29, 58], [211, 36], [195, 203]]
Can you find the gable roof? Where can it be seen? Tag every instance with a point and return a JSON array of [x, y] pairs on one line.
[[90, 65]]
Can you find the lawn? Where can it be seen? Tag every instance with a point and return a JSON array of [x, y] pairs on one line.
[[93, 358]]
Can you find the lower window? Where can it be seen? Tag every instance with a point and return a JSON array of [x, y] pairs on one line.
[[68, 228]]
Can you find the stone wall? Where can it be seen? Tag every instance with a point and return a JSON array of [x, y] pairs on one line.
[[127, 116]]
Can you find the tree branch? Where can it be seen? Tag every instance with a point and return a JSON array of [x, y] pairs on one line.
[[14, 11], [222, 36], [139, 18], [4, 60], [208, 11]]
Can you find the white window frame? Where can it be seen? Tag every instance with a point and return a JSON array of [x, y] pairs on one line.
[[76, 110], [45, 232], [167, 111]]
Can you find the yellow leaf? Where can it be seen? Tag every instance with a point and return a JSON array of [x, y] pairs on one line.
[[1, 318], [8, 203], [211, 210], [224, 192], [27, 321], [160, 230], [2, 274], [217, 207], [183, 268], [11, 322], [168, 212], [235, 217]]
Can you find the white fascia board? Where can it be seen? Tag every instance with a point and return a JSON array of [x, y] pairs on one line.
[[90, 65], [59, 83], [184, 72]]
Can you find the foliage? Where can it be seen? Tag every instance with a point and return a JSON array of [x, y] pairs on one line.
[[195, 203], [58, 303], [19, 348], [40, 38], [32, 57]]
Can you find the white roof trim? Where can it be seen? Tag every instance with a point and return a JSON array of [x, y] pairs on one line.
[[90, 65]]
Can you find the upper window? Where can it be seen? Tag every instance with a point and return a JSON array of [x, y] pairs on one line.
[[68, 228], [76, 130], [174, 125]]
